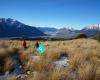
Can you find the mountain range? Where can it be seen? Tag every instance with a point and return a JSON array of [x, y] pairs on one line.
[[64, 33], [90, 30], [67, 33], [13, 28]]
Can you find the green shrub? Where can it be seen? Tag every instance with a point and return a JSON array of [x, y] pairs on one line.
[[98, 36], [81, 36]]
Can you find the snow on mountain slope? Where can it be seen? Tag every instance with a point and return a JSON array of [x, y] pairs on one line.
[[93, 27], [14, 28]]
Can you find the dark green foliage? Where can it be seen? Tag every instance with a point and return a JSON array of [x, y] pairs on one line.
[[98, 36], [81, 36]]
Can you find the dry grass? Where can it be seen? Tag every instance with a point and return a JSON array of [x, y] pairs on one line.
[[84, 56], [87, 71]]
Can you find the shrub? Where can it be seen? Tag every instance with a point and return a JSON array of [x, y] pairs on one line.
[[81, 36], [98, 36]]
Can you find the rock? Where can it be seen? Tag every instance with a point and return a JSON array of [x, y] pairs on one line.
[[21, 76]]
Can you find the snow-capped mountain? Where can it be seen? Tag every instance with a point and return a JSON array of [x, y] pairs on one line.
[[14, 28], [65, 33], [70, 33], [91, 30], [10, 21], [93, 27]]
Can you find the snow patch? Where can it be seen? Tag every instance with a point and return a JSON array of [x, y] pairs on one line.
[[63, 61]]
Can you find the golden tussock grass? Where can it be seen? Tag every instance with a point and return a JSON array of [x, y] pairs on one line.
[[83, 55]]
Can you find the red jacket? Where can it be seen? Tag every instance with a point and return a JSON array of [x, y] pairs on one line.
[[24, 44]]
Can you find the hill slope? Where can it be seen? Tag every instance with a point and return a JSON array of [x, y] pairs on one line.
[[14, 28]]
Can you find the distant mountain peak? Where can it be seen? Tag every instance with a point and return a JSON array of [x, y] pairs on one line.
[[13, 28], [6, 19], [93, 27], [10, 21], [66, 29]]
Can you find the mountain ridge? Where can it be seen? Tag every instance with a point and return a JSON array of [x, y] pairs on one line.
[[14, 28]]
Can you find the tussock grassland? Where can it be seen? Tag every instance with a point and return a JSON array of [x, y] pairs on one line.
[[83, 55]]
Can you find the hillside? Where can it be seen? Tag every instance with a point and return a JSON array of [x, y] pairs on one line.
[[14, 28]]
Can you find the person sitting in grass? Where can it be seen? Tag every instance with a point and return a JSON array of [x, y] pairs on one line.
[[36, 46], [40, 49]]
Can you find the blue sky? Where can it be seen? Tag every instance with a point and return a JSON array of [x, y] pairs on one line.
[[52, 13]]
